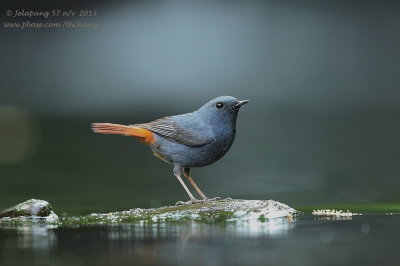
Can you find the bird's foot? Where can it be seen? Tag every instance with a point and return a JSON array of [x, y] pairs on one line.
[[212, 199], [216, 199], [192, 201]]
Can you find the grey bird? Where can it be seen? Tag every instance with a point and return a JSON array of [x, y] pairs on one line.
[[188, 140]]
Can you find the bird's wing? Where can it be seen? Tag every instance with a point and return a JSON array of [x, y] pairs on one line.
[[185, 129]]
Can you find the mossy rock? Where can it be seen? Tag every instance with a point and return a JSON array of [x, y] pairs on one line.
[[222, 211], [32, 208]]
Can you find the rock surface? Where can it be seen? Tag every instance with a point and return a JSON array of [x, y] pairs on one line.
[[210, 212], [33, 208], [225, 211]]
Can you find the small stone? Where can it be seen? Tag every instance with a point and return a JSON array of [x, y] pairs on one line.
[[33, 208]]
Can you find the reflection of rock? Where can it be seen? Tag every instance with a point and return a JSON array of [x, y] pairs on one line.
[[277, 227], [32, 208], [37, 236]]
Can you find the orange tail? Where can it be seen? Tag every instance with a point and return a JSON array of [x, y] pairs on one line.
[[143, 135]]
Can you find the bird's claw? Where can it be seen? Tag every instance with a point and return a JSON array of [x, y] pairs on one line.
[[194, 201], [212, 199], [216, 199], [182, 203]]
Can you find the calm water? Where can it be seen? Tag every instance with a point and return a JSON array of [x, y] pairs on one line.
[[306, 240]]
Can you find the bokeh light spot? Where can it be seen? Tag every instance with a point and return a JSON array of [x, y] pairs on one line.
[[18, 134]]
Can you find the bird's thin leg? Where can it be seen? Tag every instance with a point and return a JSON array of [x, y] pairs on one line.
[[177, 173], [186, 173]]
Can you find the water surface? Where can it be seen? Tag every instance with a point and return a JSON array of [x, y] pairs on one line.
[[303, 240]]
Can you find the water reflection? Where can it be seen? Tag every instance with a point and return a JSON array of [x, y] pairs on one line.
[[31, 236], [43, 237], [333, 218], [304, 240], [274, 228]]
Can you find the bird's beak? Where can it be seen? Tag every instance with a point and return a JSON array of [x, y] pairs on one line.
[[240, 103]]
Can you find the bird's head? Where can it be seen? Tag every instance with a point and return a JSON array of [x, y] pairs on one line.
[[222, 109]]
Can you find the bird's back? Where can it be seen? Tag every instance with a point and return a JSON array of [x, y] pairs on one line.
[[217, 141]]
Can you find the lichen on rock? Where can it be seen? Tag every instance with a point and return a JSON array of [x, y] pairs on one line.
[[221, 211], [224, 211]]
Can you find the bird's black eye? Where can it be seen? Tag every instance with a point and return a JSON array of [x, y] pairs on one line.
[[219, 105]]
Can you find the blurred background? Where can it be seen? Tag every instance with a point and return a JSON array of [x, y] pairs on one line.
[[322, 77]]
